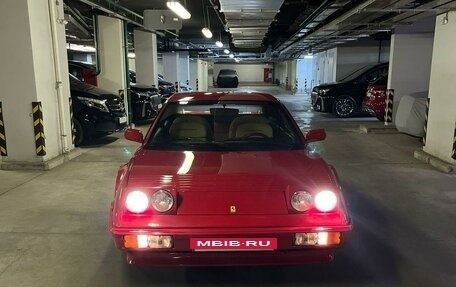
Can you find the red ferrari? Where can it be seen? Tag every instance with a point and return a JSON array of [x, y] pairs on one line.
[[226, 179]]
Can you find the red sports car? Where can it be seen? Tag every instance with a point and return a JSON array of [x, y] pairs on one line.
[[226, 179], [375, 101]]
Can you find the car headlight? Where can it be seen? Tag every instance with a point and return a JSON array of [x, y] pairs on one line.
[[95, 103], [323, 92], [162, 201], [325, 200], [301, 201], [137, 201]]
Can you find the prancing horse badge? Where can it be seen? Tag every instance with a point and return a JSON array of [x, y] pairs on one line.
[[232, 209]]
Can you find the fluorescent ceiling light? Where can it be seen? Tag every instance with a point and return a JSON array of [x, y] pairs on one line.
[[131, 55], [206, 32], [180, 10], [219, 44], [226, 51], [308, 56], [237, 60], [80, 48], [231, 56]]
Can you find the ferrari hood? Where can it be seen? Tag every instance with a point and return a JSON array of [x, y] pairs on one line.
[[211, 183]]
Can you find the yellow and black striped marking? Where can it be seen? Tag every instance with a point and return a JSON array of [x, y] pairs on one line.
[[3, 150], [38, 126], [453, 155], [426, 115], [196, 85], [71, 119], [389, 106]]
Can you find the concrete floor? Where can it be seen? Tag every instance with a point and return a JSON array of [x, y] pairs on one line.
[[53, 225]]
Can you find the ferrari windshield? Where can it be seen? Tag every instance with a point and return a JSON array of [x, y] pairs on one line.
[[224, 126]]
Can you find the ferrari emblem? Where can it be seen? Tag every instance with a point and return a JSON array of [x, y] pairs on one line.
[[232, 209]]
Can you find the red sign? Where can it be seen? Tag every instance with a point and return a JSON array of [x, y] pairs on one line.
[[233, 244]]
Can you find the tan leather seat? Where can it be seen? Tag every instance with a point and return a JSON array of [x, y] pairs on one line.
[[189, 127], [254, 125]]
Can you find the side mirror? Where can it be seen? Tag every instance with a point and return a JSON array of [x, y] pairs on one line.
[[315, 135], [134, 135]]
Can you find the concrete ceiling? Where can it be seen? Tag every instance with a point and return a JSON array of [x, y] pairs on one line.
[[268, 29]]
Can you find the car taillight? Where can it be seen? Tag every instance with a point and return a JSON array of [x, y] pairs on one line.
[[325, 200], [137, 202]]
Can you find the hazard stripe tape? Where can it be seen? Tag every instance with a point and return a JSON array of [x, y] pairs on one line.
[[71, 119], [389, 106], [38, 126], [426, 115], [3, 149], [453, 155]]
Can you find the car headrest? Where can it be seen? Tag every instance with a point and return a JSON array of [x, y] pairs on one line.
[[249, 125], [189, 127]]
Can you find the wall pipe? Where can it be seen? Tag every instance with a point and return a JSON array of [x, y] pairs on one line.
[[57, 72]]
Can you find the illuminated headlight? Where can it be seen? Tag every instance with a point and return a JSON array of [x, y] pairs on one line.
[[95, 103], [137, 202], [323, 92], [162, 201], [301, 201], [143, 241], [325, 200]]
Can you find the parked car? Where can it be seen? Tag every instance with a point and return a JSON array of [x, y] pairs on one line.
[[187, 197], [182, 86], [95, 112], [411, 113], [345, 98], [375, 101], [145, 100], [227, 79]]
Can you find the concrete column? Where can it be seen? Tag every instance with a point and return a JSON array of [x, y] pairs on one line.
[[442, 110], [34, 69], [184, 67], [410, 60], [171, 67], [202, 75], [113, 62], [193, 73], [146, 57]]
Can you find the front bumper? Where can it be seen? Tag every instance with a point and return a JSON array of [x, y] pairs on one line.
[[181, 254], [321, 104]]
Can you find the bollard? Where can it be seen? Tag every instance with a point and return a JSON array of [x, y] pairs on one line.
[[428, 101], [389, 106]]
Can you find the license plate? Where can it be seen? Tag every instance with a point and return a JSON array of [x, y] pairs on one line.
[[122, 120], [233, 244]]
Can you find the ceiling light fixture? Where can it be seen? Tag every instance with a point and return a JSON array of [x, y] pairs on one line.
[[231, 56], [226, 51], [180, 10], [219, 44], [207, 24], [207, 32]]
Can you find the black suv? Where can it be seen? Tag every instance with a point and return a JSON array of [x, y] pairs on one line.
[[95, 112], [345, 98], [227, 79], [145, 100]]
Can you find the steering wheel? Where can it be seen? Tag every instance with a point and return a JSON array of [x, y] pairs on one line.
[[255, 135]]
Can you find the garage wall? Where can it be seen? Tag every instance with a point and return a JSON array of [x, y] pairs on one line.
[[325, 67], [442, 111], [280, 72], [410, 64], [247, 73], [350, 59]]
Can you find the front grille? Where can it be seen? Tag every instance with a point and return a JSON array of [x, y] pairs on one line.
[[116, 107]]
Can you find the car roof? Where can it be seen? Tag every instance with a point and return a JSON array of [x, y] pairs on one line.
[[222, 96]]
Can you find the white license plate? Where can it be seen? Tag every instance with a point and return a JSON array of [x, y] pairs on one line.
[[122, 120]]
